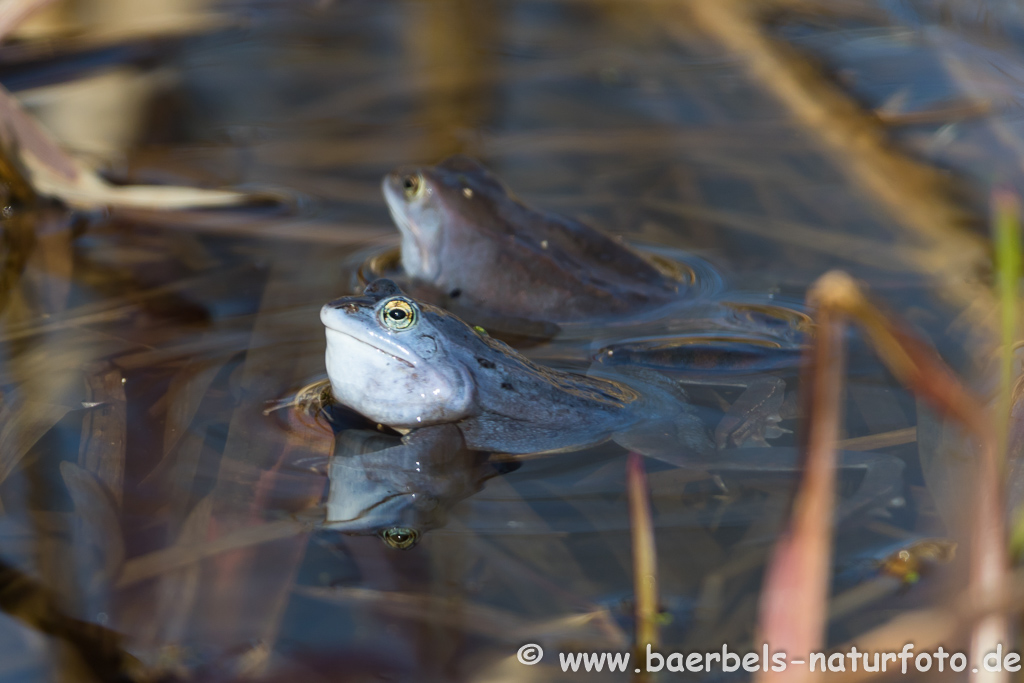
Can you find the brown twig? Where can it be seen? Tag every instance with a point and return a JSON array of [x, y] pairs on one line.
[[645, 558]]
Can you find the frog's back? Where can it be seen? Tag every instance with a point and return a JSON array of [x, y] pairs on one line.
[[526, 408], [523, 407], [537, 263]]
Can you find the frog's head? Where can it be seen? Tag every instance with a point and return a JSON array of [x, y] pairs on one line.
[[425, 201], [394, 360]]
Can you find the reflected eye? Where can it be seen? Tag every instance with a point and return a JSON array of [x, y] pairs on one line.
[[413, 186], [400, 537], [398, 314]]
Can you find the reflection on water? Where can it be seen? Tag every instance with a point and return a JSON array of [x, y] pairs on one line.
[[144, 487], [378, 484]]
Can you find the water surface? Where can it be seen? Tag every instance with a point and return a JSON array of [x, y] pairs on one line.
[[145, 487]]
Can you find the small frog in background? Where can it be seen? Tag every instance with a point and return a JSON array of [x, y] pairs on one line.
[[467, 237]]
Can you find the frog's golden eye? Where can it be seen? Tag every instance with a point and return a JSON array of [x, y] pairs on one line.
[[413, 185], [400, 537], [398, 314]]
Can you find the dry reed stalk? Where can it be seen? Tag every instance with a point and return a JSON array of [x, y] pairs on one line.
[[645, 555], [794, 620], [795, 595]]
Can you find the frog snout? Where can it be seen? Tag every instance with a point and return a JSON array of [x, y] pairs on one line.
[[333, 310]]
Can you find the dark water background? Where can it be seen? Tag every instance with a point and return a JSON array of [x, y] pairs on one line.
[[178, 514]]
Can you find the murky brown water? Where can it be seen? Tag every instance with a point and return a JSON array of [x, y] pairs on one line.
[[146, 489]]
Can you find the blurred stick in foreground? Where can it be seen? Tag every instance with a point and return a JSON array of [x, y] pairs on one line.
[[1006, 235], [645, 557], [794, 599], [793, 603], [13, 12]]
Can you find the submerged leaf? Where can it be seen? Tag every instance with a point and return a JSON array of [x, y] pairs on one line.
[[104, 429], [100, 536], [22, 424], [177, 590], [169, 559], [184, 395]]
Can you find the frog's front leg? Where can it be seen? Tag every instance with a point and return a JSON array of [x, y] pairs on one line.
[[755, 415]]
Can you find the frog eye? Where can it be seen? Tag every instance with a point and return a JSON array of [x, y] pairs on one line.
[[398, 314], [413, 185], [400, 537]]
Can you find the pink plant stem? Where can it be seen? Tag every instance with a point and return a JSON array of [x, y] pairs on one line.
[[795, 594]]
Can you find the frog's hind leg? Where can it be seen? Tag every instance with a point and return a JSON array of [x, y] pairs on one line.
[[673, 431], [680, 439], [755, 415]]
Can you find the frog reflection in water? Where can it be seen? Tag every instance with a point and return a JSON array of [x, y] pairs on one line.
[[398, 490], [414, 367], [464, 235]]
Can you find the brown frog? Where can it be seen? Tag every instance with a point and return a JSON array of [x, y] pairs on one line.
[[466, 236]]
